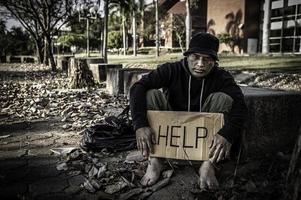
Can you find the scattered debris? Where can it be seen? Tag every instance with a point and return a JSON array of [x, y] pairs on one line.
[[93, 172], [63, 151], [43, 95], [101, 171], [111, 189], [62, 166], [88, 186], [4, 136], [95, 183]]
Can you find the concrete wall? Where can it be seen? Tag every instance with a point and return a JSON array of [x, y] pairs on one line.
[[217, 12], [252, 23]]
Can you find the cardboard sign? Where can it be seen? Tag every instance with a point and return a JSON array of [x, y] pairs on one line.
[[184, 135]]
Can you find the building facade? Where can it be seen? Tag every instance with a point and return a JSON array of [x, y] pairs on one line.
[[284, 25], [254, 25]]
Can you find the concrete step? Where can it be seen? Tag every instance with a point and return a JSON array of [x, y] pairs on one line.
[[273, 121]]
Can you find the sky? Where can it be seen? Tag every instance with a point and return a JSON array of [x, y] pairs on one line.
[[11, 22]]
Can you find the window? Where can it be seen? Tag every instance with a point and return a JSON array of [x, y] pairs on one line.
[[288, 32], [287, 45]]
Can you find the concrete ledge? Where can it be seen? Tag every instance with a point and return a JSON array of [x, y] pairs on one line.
[[93, 60], [115, 79], [274, 120], [19, 59], [100, 70]]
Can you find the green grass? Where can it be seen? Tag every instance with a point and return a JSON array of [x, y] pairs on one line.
[[151, 60], [260, 62]]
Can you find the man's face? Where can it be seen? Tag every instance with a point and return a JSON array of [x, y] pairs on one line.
[[200, 64]]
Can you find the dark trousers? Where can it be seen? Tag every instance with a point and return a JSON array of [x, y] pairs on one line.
[[216, 102]]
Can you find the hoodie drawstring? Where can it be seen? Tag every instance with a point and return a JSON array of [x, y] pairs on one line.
[[189, 87], [201, 96]]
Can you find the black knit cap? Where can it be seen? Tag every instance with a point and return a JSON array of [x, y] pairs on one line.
[[203, 43]]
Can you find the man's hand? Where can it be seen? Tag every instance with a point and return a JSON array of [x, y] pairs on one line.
[[219, 149], [145, 139]]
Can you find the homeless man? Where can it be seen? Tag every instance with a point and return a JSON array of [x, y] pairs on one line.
[[194, 84]]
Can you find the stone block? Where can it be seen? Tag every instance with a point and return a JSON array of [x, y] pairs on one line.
[[28, 59], [99, 70], [115, 80], [7, 59], [93, 60], [273, 121], [2, 59], [15, 59], [130, 77]]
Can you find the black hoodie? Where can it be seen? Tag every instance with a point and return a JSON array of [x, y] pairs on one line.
[[182, 86]]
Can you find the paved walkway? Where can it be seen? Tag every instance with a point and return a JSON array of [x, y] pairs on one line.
[[28, 167]]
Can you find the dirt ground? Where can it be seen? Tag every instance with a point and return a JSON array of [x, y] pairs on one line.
[[39, 113]]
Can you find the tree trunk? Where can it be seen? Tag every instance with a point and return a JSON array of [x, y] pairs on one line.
[[180, 42], [80, 74], [188, 24], [45, 59], [50, 54], [39, 51], [141, 38], [105, 33], [293, 181], [134, 35], [157, 30], [123, 33]]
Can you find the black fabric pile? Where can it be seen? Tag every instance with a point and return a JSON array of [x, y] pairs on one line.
[[115, 134]]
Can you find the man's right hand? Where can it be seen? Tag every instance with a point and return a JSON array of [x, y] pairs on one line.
[[145, 139]]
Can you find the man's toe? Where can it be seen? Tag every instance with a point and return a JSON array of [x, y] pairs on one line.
[[213, 184], [151, 182], [144, 181], [202, 184]]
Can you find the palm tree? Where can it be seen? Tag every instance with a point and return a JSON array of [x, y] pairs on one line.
[[127, 9], [105, 31], [141, 10], [233, 27], [157, 30], [122, 8]]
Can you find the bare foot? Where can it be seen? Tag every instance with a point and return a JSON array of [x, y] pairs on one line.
[[153, 172], [207, 176]]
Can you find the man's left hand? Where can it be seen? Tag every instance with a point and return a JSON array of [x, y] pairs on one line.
[[219, 149]]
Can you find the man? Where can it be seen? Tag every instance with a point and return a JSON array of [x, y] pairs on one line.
[[194, 84]]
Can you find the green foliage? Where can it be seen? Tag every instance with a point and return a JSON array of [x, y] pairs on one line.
[[72, 40], [114, 39], [19, 42], [14, 41], [225, 38]]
